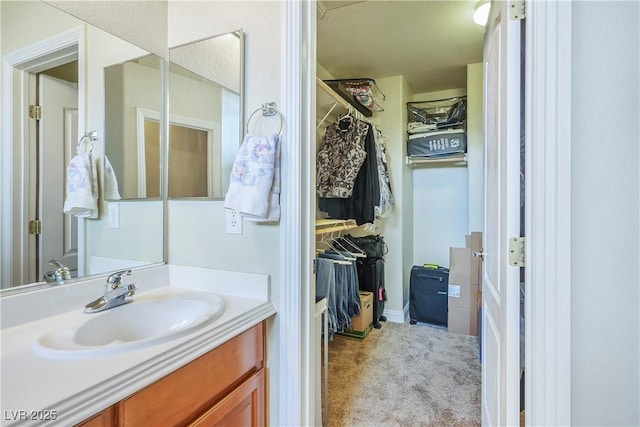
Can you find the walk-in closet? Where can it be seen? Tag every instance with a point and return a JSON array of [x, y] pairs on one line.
[[398, 103]]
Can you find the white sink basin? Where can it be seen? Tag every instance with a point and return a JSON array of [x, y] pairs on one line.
[[148, 320]]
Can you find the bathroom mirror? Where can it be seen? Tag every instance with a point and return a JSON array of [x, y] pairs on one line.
[[40, 42], [205, 115], [132, 94]]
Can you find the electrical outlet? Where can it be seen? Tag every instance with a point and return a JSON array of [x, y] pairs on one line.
[[113, 214], [234, 222]]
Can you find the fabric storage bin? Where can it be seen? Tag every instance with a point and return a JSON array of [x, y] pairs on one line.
[[431, 115], [448, 141]]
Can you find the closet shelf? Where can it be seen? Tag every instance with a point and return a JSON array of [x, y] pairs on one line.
[[369, 98], [328, 102], [326, 226], [452, 160], [328, 93]]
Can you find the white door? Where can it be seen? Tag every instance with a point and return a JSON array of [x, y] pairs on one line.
[[57, 139], [500, 287]]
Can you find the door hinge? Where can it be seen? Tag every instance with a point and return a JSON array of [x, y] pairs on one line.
[[35, 226], [517, 10], [35, 112], [516, 251]]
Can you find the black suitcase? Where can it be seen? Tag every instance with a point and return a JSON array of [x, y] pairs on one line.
[[371, 279], [428, 295]]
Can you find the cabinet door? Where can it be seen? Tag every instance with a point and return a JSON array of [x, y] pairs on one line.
[[186, 393], [245, 406], [106, 418]]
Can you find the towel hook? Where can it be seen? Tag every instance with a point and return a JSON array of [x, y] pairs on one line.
[[268, 109], [87, 138]]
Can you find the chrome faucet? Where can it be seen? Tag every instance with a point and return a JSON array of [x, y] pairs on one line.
[[61, 272], [115, 293]]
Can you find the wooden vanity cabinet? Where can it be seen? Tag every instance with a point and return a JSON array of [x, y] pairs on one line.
[[223, 387], [105, 418]]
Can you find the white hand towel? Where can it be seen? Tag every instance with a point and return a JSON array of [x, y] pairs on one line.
[[82, 187], [273, 212], [252, 176], [110, 182]]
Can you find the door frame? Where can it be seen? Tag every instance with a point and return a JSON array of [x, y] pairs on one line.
[[547, 210], [18, 68], [296, 392], [548, 213]]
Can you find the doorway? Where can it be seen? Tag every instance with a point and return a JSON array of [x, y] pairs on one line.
[[55, 146], [30, 73], [396, 32]]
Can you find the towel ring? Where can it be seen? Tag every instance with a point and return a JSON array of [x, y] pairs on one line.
[[87, 138], [268, 109]]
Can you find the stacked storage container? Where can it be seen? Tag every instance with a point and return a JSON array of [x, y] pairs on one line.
[[437, 128]]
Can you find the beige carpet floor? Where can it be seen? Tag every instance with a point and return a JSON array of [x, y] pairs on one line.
[[404, 375]]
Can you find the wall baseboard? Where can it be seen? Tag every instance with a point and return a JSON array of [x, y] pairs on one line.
[[397, 316]]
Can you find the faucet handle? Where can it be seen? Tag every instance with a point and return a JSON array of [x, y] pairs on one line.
[[115, 279], [132, 289], [62, 271]]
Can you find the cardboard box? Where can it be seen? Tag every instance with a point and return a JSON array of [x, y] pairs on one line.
[[464, 287], [460, 266], [474, 241], [463, 321], [362, 322], [463, 296]]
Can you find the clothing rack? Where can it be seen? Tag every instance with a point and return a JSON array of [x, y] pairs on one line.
[[327, 226], [88, 138]]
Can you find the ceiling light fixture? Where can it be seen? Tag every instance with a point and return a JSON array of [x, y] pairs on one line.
[[481, 14]]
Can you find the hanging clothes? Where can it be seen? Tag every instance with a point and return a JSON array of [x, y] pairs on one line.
[[366, 188], [326, 288], [341, 157], [386, 196], [337, 280]]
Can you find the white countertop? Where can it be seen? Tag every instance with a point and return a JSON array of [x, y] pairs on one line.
[[34, 387]]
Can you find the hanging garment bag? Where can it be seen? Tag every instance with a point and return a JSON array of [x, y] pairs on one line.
[[428, 295]]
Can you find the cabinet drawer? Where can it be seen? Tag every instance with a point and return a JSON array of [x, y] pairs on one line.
[[186, 393], [244, 407]]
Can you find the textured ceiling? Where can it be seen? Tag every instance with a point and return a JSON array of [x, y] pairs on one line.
[[429, 42]]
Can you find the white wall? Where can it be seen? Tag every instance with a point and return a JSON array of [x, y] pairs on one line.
[[407, 202], [605, 324], [392, 122], [440, 204], [197, 234], [475, 147]]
